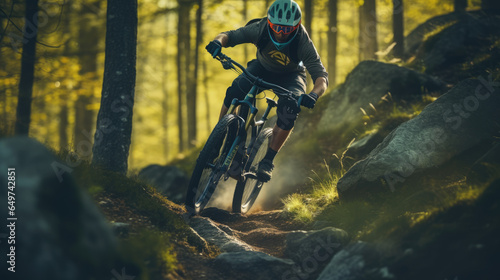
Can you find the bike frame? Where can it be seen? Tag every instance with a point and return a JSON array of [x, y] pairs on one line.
[[245, 124], [248, 102]]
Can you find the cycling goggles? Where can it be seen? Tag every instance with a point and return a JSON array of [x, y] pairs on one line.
[[282, 28]]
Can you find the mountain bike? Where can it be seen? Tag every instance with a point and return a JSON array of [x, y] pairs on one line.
[[231, 151]]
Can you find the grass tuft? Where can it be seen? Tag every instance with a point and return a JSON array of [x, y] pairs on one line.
[[305, 207]]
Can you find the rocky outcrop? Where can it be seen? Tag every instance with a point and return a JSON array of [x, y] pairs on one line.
[[456, 43], [168, 180], [460, 242], [417, 36], [59, 232], [215, 236], [367, 84], [357, 261], [455, 122], [255, 265], [320, 245]]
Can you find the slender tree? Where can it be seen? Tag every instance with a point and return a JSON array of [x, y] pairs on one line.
[[332, 39], [367, 30], [398, 28], [114, 121], [165, 103], [308, 19], [88, 36], [460, 5], [63, 111], [182, 55], [192, 100], [244, 14], [30, 31]]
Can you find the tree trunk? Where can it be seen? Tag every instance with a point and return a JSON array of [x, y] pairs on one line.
[[460, 6], [165, 103], [88, 36], [114, 121], [244, 14], [30, 30], [367, 30], [398, 28], [190, 82], [332, 40], [182, 32], [63, 124], [63, 111], [308, 11], [193, 93], [491, 6]]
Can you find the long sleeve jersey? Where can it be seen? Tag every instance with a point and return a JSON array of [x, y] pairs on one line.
[[280, 61]]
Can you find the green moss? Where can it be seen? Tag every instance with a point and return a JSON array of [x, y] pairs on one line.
[[136, 194], [95, 190], [153, 251]]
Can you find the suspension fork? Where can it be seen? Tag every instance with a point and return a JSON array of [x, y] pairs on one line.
[[245, 104]]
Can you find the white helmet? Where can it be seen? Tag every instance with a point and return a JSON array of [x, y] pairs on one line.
[[284, 12]]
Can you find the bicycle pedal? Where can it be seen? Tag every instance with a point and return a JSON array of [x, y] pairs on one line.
[[250, 175]]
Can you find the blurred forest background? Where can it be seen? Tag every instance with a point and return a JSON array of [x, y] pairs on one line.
[[179, 87]]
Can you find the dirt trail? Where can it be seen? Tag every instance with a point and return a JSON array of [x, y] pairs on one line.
[[265, 230]]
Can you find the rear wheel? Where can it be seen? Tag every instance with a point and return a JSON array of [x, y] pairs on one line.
[[208, 170], [247, 190]]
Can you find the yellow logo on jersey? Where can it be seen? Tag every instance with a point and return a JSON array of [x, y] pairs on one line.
[[279, 57]]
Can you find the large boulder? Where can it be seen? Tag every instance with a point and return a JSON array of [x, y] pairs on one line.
[[58, 232], [454, 44], [255, 265], [367, 84], [455, 122], [467, 44], [168, 180], [359, 260], [418, 35], [460, 242]]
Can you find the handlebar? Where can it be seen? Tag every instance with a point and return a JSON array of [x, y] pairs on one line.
[[229, 63]]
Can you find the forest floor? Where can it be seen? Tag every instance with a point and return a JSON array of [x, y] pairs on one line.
[[265, 231]]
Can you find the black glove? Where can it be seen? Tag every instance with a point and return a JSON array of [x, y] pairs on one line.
[[308, 100], [214, 48]]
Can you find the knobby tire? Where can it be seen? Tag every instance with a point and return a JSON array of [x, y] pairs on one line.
[[247, 190], [205, 178]]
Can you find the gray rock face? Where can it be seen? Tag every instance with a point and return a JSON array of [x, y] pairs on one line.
[[214, 235], [356, 261], [455, 122], [417, 36], [368, 83], [168, 180], [454, 44], [59, 232], [257, 264], [320, 245]]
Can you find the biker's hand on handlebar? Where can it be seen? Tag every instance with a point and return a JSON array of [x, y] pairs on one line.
[[214, 48], [309, 100]]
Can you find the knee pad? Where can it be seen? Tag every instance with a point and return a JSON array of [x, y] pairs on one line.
[[287, 112]]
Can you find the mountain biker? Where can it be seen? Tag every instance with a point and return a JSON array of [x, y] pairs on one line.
[[284, 52]]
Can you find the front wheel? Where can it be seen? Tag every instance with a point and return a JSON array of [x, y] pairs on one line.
[[247, 190], [209, 165]]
